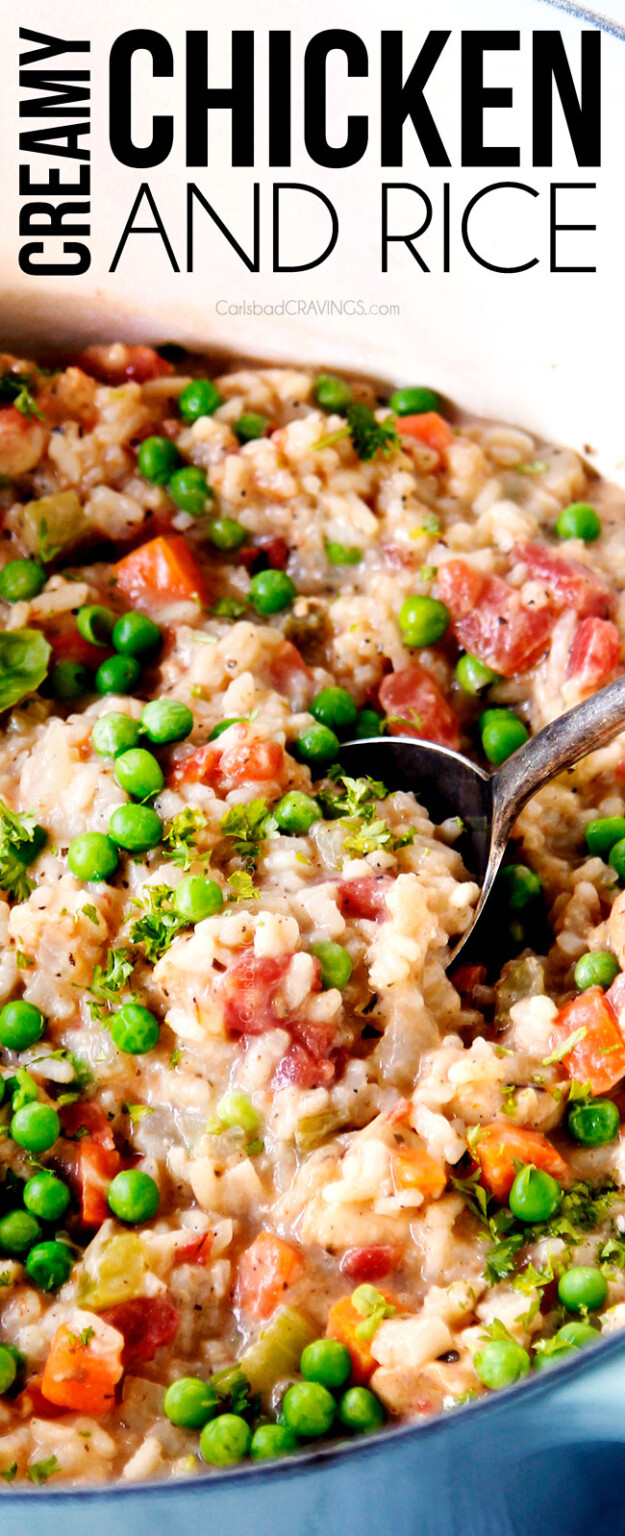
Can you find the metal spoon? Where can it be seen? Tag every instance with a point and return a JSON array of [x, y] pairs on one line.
[[448, 784]]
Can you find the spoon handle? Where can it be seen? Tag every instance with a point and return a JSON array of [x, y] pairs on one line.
[[559, 745]]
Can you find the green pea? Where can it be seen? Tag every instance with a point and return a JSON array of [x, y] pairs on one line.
[[295, 813], [8, 1369], [272, 591], [251, 425], [136, 635], [368, 723], [271, 1440], [196, 898], [335, 708], [308, 1409], [92, 856], [190, 490], [46, 1196], [114, 733], [21, 1024], [70, 680], [332, 393], [473, 675], [360, 1410], [139, 773], [327, 1362], [546, 1360], [578, 1334], [336, 965], [318, 746], [18, 1231], [582, 1288], [617, 858], [118, 674], [224, 725], [422, 621], [225, 1441], [134, 1029], [157, 459], [596, 969], [36, 1127], [594, 1124], [95, 624], [190, 1402], [236, 1109], [166, 720], [227, 533], [534, 1196], [500, 1363], [49, 1265], [602, 834], [520, 886], [21, 580], [137, 828], [579, 521], [133, 1196], [199, 398], [343, 554], [414, 402], [502, 733]]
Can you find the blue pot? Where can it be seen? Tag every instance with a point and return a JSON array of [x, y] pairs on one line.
[[541, 1459]]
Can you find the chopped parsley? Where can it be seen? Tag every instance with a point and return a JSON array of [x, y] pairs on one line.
[[373, 1308], [501, 1258], [21, 838], [138, 1112], [228, 608], [232, 1388], [16, 389], [108, 980], [567, 1045], [40, 1471], [9, 1473], [248, 826], [475, 1196], [91, 913], [160, 923], [175, 1058], [368, 435], [179, 838]]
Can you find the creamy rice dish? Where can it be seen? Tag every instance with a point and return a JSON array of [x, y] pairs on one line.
[[268, 1173]]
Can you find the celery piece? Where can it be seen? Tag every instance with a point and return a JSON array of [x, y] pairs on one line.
[[52, 524], [312, 1130], [120, 1273], [277, 1350]]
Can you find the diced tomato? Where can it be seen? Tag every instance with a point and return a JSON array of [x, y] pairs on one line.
[[250, 986], [468, 977], [414, 696], [500, 1148], [615, 994], [595, 650], [570, 585], [344, 1322], [490, 621], [268, 553], [599, 1057], [266, 1270], [286, 671], [83, 1366], [146, 1323], [197, 1250], [31, 1403], [413, 1168], [372, 1263], [364, 897], [113, 366], [244, 759], [162, 571], [303, 1069], [91, 1160], [70, 646], [428, 428]]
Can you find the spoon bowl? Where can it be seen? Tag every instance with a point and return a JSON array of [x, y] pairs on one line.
[[488, 804]]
